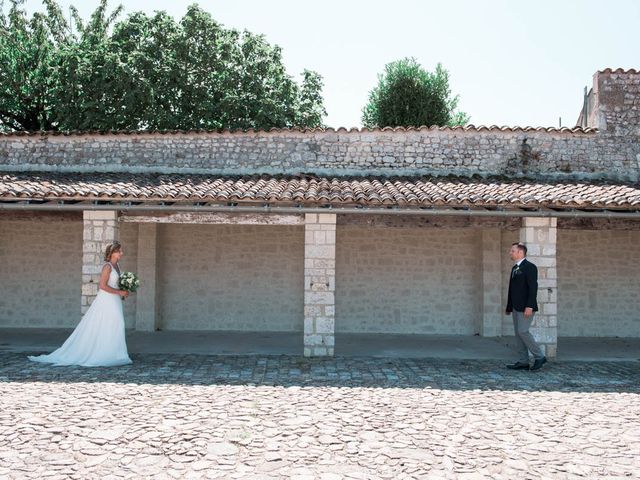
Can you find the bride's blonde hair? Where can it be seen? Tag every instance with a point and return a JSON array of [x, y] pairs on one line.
[[111, 249]]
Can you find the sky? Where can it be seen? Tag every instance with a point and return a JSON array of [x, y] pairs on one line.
[[515, 63]]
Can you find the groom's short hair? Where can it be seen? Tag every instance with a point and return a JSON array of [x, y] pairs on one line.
[[521, 246]]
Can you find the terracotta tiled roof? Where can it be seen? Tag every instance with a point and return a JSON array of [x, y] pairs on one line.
[[631, 71], [309, 190], [466, 128]]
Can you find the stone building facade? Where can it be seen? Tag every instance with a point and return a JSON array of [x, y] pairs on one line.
[[324, 232]]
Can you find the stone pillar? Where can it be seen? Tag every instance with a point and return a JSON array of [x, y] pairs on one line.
[[146, 310], [492, 305], [540, 234], [319, 284], [100, 229]]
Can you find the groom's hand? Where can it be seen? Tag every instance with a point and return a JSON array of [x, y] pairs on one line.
[[528, 312]]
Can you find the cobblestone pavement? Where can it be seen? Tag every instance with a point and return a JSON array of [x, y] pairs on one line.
[[257, 417]]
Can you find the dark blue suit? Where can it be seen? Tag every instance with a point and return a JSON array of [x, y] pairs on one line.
[[523, 287], [523, 292]]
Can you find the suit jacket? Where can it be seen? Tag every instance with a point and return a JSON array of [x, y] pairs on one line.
[[523, 288]]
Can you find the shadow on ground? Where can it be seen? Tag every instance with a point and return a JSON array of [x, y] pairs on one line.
[[339, 372]]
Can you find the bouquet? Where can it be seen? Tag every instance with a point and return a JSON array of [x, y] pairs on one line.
[[129, 282]]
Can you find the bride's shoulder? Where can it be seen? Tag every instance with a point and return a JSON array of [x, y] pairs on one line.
[[107, 266]]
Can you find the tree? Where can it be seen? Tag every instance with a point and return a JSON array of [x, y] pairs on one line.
[[310, 108], [145, 72], [408, 95], [88, 76], [27, 52]]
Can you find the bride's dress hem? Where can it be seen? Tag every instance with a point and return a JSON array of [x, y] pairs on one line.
[[58, 364]]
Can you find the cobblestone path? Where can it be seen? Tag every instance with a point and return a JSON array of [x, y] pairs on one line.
[[253, 417]]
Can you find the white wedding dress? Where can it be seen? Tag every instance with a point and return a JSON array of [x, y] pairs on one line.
[[98, 340]]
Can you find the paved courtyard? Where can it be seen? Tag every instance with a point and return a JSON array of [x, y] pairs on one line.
[[262, 417]]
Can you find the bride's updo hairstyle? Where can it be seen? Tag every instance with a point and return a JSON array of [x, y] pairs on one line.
[[111, 249]]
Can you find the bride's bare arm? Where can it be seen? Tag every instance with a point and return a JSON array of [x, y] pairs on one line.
[[104, 278]]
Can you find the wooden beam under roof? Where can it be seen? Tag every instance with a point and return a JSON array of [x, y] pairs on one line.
[[212, 218]]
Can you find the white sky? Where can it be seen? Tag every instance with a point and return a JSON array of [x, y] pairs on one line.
[[512, 62]]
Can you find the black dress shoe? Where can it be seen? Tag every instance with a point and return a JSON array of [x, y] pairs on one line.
[[518, 366], [537, 365]]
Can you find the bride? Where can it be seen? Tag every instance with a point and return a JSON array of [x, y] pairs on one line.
[[98, 340]]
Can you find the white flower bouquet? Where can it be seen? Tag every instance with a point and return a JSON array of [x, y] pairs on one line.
[[129, 282]]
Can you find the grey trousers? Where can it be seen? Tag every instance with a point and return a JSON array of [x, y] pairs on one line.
[[524, 340]]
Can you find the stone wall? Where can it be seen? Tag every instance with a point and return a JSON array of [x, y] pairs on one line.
[[613, 152], [236, 277], [540, 235], [439, 152], [129, 262], [402, 280], [399, 279], [319, 283], [100, 228], [598, 286], [614, 105], [508, 238], [40, 272]]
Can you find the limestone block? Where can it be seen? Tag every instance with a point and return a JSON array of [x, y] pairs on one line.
[[320, 252], [313, 339], [319, 237], [100, 214], [330, 237], [551, 350], [89, 289], [309, 236], [544, 261], [323, 262], [312, 310], [308, 324], [318, 298], [544, 334], [91, 269], [329, 218], [534, 250], [324, 325]]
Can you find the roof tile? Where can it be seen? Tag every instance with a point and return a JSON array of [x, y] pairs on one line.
[[338, 191], [465, 128]]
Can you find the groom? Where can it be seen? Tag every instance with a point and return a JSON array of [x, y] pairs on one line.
[[521, 304]]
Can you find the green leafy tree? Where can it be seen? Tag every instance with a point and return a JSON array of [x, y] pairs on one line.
[[408, 95], [147, 72], [310, 109], [27, 56], [88, 76]]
